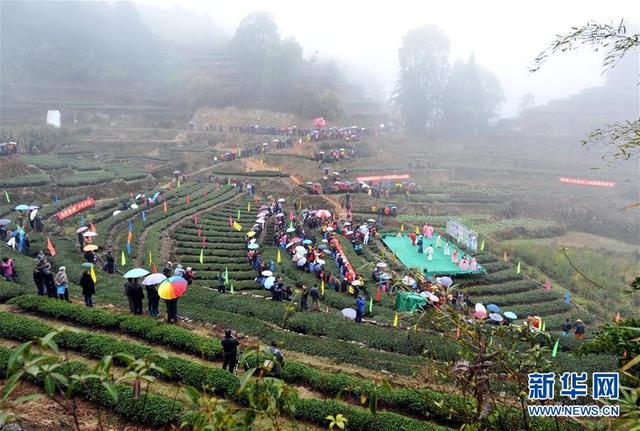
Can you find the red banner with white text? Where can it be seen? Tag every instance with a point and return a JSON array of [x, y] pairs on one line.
[[75, 208]]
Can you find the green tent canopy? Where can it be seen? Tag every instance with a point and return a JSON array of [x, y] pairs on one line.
[[409, 302]]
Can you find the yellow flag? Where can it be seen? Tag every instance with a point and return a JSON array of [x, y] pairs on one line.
[[321, 284], [278, 257], [93, 275], [150, 258], [482, 246], [248, 206], [518, 268], [402, 228], [395, 320], [351, 291], [237, 226], [178, 183], [542, 328], [123, 259], [504, 256], [417, 230]]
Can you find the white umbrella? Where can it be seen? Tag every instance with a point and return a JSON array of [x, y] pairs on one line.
[[268, 282], [302, 261], [291, 229], [267, 273], [152, 279], [300, 248], [408, 281], [116, 212], [33, 214], [134, 206], [349, 313], [81, 229], [138, 196], [320, 261], [371, 220], [434, 298], [90, 234], [280, 215], [281, 200], [363, 229], [356, 283], [381, 265]]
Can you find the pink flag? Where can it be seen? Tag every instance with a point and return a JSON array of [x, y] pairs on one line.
[[204, 242], [547, 285], [230, 222], [200, 231], [291, 216], [195, 218]]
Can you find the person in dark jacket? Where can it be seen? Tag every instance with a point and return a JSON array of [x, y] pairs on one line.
[[580, 329], [221, 284], [153, 300], [88, 288], [172, 310], [128, 286], [38, 279], [137, 295], [81, 240], [566, 327], [110, 263], [230, 351], [359, 309], [49, 283], [304, 298]]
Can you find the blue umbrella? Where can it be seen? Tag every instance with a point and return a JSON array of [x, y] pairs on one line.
[[136, 273], [253, 246], [510, 315], [493, 308], [22, 207], [307, 241]]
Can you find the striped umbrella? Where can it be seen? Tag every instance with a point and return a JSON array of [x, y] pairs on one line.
[[172, 288]]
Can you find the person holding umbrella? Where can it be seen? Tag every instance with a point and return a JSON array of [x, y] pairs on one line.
[[170, 290], [88, 288], [135, 293], [151, 283], [230, 351], [62, 283], [110, 263]]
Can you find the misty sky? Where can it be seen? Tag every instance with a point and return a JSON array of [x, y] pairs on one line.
[[504, 35]]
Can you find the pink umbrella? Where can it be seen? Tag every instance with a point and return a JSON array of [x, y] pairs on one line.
[[323, 214], [81, 229]]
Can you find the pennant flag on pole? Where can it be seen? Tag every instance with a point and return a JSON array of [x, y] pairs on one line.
[[504, 256], [188, 199], [290, 225], [230, 222], [457, 333], [129, 236], [292, 215], [204, 242], [321, 285], [554, 352], [92, 227], [547, 285], [237, 226], [93, 274], [81, 219], [128, 247], [402, 227], [123, 259], [377, 294], [299, 204], [618, 317], [231, 288], [482, 246], [52, 251], [195, 218], [130, 226], [229, 181], [248, 206], [518, 268], [55, 198], [543, 326], [395, 319], [567, 298], [201, 256], [226, 275], [370, 305], [417, 230], [154, 269], [238, 218], [199, 231], [178, 183], [143, 215], [150, 258], [6, 196], [164, 207], [279, 261]]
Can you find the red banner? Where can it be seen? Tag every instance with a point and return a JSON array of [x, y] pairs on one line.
[[75, 208], [583, 182], [384, 177]]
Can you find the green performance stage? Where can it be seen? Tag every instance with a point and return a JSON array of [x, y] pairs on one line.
[[440, 265]]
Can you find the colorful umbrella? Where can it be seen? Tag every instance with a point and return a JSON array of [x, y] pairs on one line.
[[136, 273], [90, 234], [172, 288], [90, 247], [153, 279], [323, 214]]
